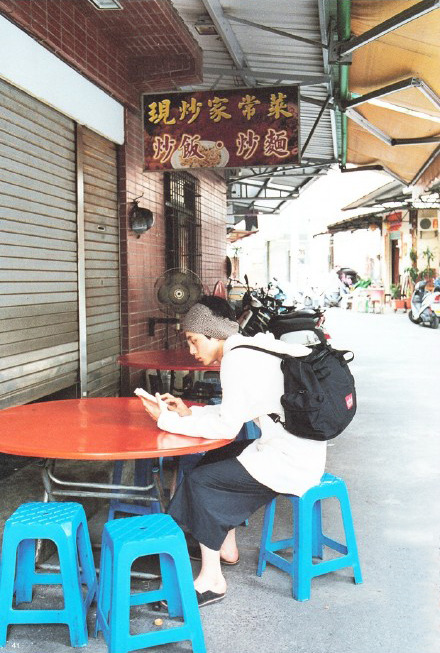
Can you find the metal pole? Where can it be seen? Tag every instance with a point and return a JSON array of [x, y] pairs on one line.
[[415, 141], [366, 124], [380, 92], [81, 262]]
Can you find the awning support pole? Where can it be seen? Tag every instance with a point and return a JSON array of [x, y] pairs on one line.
[[380, 92], [366, 124], [415, 141]]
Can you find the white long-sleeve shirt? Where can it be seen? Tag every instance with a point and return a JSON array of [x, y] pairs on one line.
[[252, 385]]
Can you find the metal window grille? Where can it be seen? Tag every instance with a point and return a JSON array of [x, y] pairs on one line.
[[183, 221]]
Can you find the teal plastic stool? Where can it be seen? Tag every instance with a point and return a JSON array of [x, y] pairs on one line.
[[308, 539], [65, 524], [125, 540]]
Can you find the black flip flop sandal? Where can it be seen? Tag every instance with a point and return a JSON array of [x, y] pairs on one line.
[[203, 598]]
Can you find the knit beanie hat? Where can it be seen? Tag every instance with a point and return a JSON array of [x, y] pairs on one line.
[[200, 319]]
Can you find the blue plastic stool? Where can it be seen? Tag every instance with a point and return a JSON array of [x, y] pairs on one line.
[[125, 540], [308, 539], [65, 524], [142, 477]]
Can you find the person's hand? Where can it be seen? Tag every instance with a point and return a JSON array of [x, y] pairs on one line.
[[176, 404], [152, 407]]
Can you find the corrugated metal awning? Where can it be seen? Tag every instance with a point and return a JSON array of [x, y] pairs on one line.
[[266, 43]]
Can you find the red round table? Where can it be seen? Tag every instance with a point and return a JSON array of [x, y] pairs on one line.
[[165, 359], [110, 428]]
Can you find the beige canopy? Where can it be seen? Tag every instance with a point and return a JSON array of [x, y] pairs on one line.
[[410, 51]]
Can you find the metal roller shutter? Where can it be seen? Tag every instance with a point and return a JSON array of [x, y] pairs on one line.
[[101, 231], [38, 257]]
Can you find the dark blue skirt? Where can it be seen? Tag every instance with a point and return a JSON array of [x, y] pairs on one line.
[[217, 495]]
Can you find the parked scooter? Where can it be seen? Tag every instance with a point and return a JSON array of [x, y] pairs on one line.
[[261, 314], [425, 305], [340, 288]]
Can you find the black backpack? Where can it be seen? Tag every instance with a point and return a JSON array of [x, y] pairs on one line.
[[319, 397]]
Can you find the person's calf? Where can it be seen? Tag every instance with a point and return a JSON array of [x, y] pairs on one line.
[[210, 577]]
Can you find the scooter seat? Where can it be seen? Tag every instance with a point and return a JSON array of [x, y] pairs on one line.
[[303, 313], [285, 326]]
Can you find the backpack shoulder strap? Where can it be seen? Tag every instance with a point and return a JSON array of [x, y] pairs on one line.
[[266, 351], [273, 416]]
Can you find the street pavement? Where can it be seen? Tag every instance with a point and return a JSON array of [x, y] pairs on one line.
[[389, 457]]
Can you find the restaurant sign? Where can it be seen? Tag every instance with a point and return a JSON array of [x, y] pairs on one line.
[[393, 221], [217, 129]]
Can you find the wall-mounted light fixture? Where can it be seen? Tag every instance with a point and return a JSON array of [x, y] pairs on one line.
[[106, 4], [205, 27], [141, 220]]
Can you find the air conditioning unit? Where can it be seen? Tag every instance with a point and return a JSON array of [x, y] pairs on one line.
[[428, 224], [428, 220]]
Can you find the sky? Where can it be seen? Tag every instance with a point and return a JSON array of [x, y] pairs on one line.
[[321, 204]]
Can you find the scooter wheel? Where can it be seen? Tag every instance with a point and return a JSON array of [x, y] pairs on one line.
[[412, 318], [434, 322]]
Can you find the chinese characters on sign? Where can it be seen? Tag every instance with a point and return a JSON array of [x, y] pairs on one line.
[[212, 129]]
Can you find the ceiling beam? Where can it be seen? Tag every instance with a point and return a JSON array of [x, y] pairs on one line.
[[263, 210], [225, 31], [294, 171], [304, 80], [315, 101], [263, 198], [279, 32], [389, 25], [316, 123]]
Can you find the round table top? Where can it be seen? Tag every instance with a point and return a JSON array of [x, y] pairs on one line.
[[109, 428], [165, 359]]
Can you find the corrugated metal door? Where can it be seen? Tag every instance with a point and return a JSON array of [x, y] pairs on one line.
[[101, 229], [38, 240]]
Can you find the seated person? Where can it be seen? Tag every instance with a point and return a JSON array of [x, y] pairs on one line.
[[231, 483]]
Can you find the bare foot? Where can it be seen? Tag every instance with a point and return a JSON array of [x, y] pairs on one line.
[[229, 550], [228, 555], [204, 584]]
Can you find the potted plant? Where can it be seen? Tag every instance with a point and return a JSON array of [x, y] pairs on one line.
[[428, 273], [413, 275], [396, 297]]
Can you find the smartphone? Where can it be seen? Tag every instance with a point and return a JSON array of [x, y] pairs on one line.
[[140, 392]]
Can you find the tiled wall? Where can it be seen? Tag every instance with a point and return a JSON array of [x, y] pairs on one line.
[[144, 47]]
